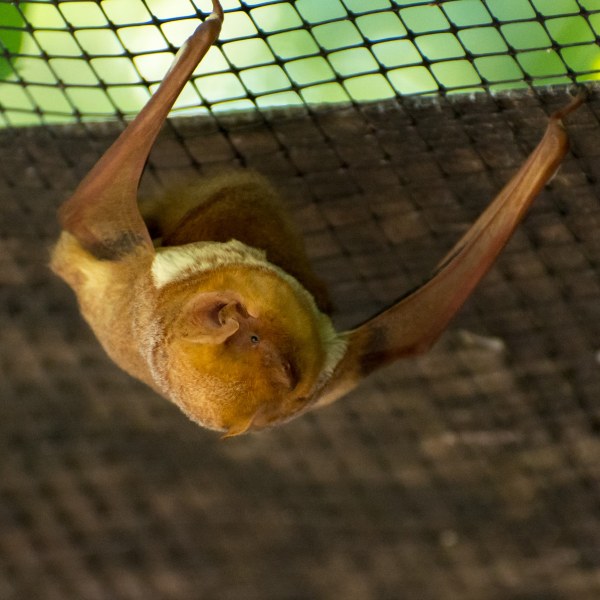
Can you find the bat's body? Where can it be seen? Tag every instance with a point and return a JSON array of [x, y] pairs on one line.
[[209, 298], [152, 311]]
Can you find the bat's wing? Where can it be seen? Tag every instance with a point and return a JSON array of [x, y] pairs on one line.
[[411, 325], [103, 214]]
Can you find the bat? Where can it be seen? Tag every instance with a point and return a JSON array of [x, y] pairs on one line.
[[209, 298]]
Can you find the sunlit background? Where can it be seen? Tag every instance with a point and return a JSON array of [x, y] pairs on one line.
[[83, 60]]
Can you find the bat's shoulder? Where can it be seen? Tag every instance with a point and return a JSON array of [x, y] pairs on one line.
[[95, 280], [115, 298]]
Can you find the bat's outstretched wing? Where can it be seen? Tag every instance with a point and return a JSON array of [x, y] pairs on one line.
[[411, 325], [103, 214]]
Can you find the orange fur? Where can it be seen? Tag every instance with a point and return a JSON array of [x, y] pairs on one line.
[[150, 330], [239, 205], [221, 385]]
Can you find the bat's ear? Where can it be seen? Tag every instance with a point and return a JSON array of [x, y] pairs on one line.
[[103, 214], [211, 317]]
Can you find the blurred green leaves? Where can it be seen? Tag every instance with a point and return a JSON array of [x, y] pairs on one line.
[[10, 36], [85, 59]]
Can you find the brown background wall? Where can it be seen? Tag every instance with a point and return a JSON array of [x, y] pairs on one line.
[[470, 473]]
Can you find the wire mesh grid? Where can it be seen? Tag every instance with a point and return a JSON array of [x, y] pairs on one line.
[[469, 473], [64, 61]]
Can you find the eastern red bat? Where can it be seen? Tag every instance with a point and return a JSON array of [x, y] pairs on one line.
[[211, 301]]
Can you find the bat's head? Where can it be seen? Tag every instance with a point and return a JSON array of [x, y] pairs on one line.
[[246, 350]]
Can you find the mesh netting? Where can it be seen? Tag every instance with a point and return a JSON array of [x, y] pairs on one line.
[[64, 61], [470, 473]]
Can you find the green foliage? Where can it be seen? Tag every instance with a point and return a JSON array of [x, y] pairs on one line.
[[278, 52], [11, 31]]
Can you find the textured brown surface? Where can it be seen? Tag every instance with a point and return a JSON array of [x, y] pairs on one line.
[[470, 473]]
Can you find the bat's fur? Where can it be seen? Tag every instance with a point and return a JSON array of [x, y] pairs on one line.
[[238, 205], [142, 306]]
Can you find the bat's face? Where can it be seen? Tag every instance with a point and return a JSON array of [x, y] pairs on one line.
[[245, 351]]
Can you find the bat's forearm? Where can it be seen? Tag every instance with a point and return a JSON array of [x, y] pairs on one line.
[[414, 323]]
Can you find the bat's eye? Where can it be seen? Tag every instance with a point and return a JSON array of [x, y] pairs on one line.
[[254, 339]]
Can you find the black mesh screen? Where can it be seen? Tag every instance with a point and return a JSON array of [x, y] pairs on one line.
[[64, 61], [470, 473]]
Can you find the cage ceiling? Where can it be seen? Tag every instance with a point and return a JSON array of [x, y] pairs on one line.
[[469, 473]]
